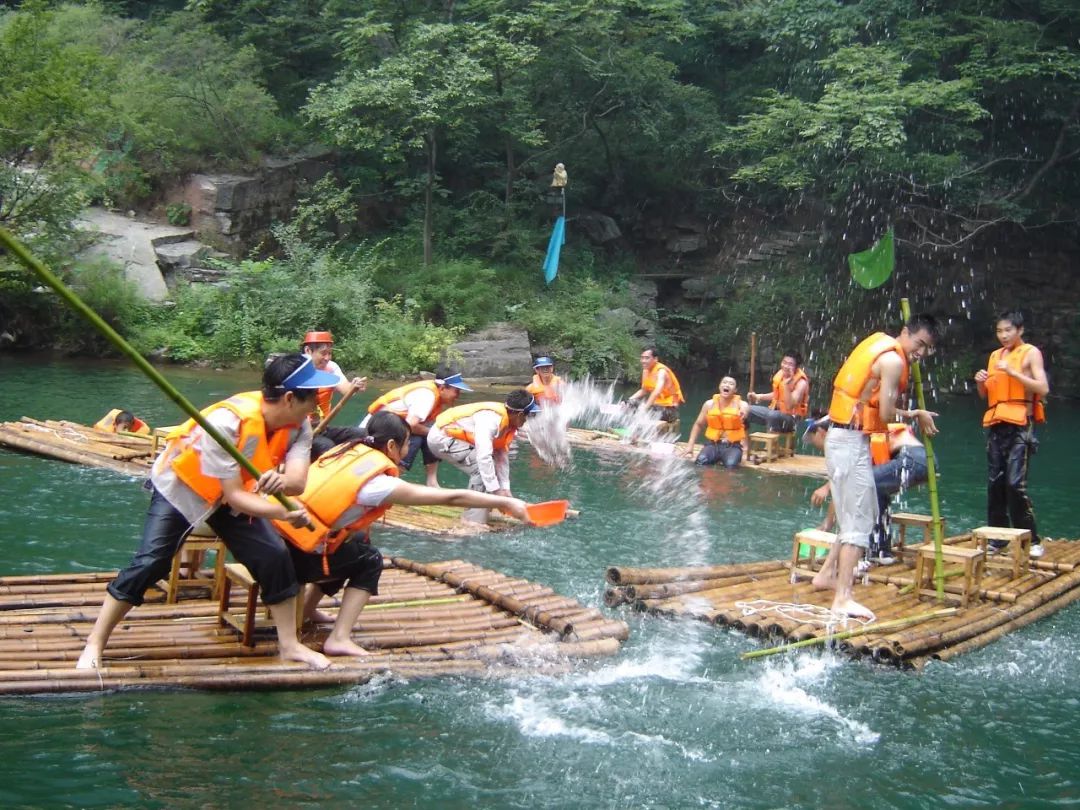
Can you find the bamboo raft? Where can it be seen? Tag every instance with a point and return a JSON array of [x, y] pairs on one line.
[[913, 630], [429, 619], [79, 444], [810, 466]]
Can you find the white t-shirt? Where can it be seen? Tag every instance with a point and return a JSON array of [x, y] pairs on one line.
[[215, 462], [370, 496], [419, 403]]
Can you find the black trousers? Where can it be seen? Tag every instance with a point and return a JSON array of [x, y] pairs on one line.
[[252, 541], [1008, 448]]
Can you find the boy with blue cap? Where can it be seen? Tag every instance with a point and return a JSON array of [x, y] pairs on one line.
[[546, 385], [476, 439], [195, 480], [418, 403]]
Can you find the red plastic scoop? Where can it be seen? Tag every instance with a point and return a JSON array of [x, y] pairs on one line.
[[548, 513]]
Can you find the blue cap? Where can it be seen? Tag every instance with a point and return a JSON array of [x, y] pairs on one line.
[[531, 408], [454, 381], [307, 377], [543, 361]]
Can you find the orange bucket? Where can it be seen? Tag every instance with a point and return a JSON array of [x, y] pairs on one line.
[[547, 513]]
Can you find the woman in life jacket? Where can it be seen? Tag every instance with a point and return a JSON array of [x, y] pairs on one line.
[[349, 488]]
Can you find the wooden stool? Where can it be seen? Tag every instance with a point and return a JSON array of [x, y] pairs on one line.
[[768, 444], [187, 563], [786, 445], [815, 540], [905, 519], [158, 436], [972, 560], [1018, 554], [248, 623]]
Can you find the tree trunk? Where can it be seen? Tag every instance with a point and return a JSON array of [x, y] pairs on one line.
[[509, 175], [429, 189]]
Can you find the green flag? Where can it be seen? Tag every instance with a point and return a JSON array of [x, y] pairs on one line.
[[872, 268]]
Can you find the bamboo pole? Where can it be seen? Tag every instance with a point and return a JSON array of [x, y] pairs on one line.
[[618, 575], [753, 362], [931, 472], [19, 251], [869, 628], [334, 411]]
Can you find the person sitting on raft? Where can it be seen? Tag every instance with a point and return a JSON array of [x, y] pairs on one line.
[[195, 479], [660, 391], [789, 399], [723, 416], [899, 461], [119, 421], [418, 403], [348, 489], [546, 386], [476, 439]]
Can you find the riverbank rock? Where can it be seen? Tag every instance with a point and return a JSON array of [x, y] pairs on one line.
[[234, 212], [130, 243], [498, 354]]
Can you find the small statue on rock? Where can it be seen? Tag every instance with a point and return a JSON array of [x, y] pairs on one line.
[[558, 179]]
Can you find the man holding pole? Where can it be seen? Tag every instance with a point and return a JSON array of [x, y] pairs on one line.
[[195, 480], [864, 401], [789, 399]]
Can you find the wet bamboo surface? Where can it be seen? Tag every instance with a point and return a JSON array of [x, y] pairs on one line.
[[429, 619], [729, 595], [79, 444], [811, 466]]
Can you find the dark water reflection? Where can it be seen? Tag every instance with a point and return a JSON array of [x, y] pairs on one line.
[[675, 720]]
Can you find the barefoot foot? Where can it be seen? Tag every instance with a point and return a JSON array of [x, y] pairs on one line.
[[305, 655], [343, 647], [319, 617], [823, 581], [90, 658], [853, 609]]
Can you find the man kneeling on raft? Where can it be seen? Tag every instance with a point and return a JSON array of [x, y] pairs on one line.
[[349, 488]]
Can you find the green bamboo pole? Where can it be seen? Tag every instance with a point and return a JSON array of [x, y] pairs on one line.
[[20, 252], [931, 471], [858, 631]]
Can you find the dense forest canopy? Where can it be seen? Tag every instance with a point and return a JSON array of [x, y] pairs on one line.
[[955, 121]]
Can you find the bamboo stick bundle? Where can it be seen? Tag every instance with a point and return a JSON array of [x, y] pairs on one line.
[[986, 620], [476, 624], [73, 456], [663, 590], [613, 597], [618, 575], [733, 588], [1016, 588], [104, 577], [87, 441], [508, 603], [981, 640], [600, 628], [434, 637]]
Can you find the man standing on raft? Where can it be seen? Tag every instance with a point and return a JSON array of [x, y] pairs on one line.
[[1013, 385], [865, 393], [195, 479]]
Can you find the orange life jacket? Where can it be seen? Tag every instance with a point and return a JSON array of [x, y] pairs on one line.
[[542, 393], [1006, 397], [449, 422], [853, 377], [394, 400], [671, 395], [322, 402], [334, 480], [879, 442], [802, 408], [182, 451], [725, 423], [107, 423]]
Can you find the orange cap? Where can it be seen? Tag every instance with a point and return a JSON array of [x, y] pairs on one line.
[[318, 337]]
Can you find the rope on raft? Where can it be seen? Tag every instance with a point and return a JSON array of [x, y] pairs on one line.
[[800, 613]]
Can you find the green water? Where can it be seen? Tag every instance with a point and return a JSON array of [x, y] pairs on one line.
[[675, 720]]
